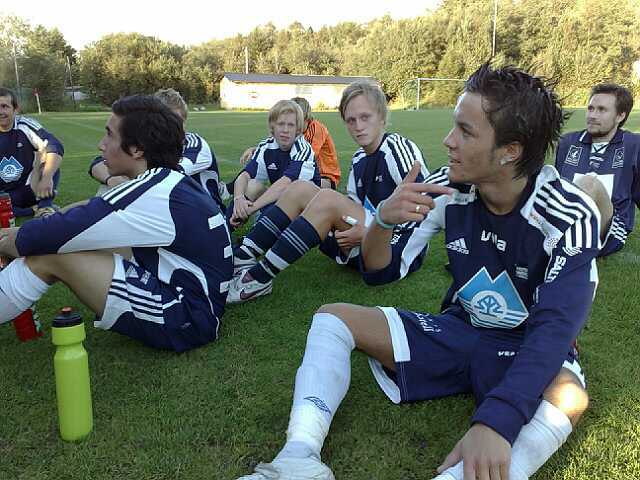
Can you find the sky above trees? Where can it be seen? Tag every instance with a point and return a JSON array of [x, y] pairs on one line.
[[190, 22]]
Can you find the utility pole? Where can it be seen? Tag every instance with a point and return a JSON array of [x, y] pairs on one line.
[[73, 90], [495, 19], [246, 60], [15, 64]]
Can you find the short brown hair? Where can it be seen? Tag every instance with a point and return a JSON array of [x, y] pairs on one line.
[[624, 99]]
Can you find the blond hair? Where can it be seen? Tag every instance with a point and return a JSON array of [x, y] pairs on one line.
[[287, 106], [304, 105], [371, 90], [172, 99]]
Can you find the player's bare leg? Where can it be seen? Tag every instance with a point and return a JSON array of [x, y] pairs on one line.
[[25, 280], [597, 191]]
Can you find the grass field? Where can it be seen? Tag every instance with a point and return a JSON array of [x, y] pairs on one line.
[[214, 412]]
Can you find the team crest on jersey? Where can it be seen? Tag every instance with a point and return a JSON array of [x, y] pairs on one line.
[[10, 169], [618, 158], [573, 155], [492, 303]]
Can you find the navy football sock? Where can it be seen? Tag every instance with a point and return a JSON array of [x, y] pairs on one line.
[[295, 241], [266, 231]]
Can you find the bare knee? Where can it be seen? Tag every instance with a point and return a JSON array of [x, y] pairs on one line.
[[299, 193], [597, 191], [325, 202], [369, 328], [567, 393], [254, 189], [44, 266]]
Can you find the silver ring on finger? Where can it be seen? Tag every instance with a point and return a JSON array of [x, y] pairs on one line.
[[417, 208]]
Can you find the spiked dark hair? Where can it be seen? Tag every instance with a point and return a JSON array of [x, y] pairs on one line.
[[521, 108]]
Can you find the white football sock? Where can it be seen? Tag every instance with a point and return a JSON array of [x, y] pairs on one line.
[[537, 441], [322, 381], [19, 289]]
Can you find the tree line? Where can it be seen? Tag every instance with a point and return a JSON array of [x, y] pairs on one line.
[[577, 42]]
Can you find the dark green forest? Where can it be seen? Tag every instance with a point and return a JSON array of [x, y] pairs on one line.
[[577, 42]]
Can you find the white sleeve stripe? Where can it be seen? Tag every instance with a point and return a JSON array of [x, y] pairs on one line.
[[351, 187], [581, 209], [403, 157], [410, 252], [120, 191], [439, 177], [400, 154], [34, 138], [30, 122], [577, 226]]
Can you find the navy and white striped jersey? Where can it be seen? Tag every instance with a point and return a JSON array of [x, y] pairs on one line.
[[17, 150], [175, 229], [529, 275], [199, 162], [270, 163], [617, 166], [372, 179]]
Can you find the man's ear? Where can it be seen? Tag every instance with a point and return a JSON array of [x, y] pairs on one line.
[[511, 153], [136, 153]]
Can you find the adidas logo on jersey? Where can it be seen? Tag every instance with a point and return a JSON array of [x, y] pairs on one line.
[[359, 183], [272, 166], [459, 246], [131, 272]]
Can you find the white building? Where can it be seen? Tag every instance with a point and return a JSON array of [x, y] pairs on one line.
[[258, 91]]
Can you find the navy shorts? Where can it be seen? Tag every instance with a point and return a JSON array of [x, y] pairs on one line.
[[159, 315], [442, 355]]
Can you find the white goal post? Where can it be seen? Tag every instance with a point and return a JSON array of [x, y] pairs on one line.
[[429, 79]]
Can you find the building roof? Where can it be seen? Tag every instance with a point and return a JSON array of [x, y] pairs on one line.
[[296, 79]]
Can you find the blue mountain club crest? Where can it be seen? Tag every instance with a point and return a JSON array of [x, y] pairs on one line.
[[10, 169], [492, 303]]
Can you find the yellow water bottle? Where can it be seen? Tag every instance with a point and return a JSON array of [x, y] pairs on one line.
[[71, 367]]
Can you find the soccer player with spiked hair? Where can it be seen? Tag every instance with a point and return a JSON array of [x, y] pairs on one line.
[[522, 244]]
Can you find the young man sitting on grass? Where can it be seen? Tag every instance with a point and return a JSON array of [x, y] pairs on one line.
[[170, 290], [307, 216], [198, 160], [522, 245], [279, 160]]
